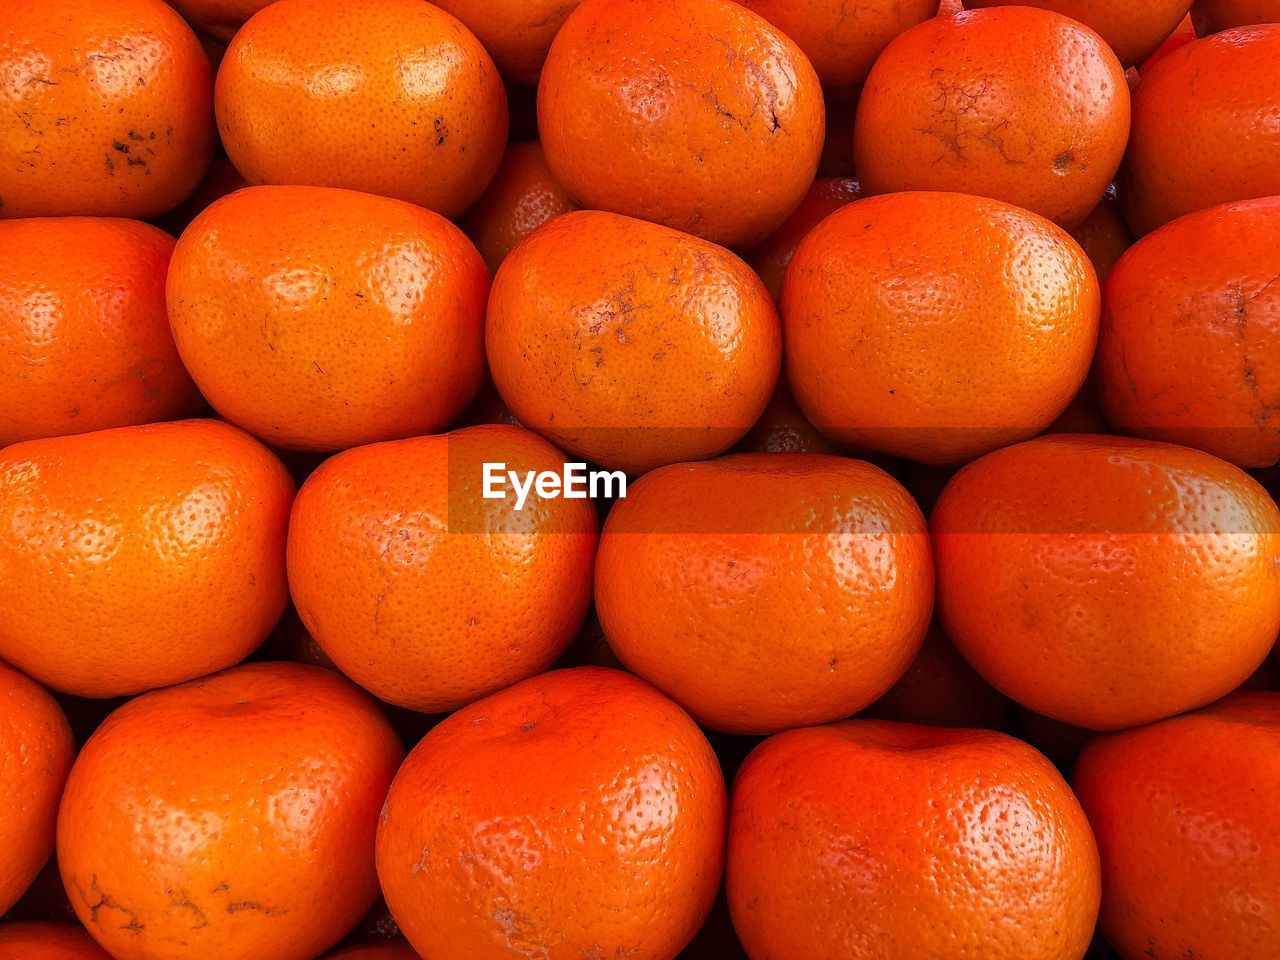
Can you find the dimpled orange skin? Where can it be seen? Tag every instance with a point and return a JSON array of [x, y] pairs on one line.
[[1185, 817], [426, 593], [1203, 128], [952, 104], [517, 33], [576, 814], [220, 19], [393, 97], [1106, 581], [1189, 350], [321, 319], [937, 327], [140, 556], [630, 344], [869, 840], [35, 754], [696, 114], [48, 941], [84, 337], [766, 591], [770, 258], [107, 108], [255, 843], [1133, 30], [522, 197], [1212, 16], [1104, 236]]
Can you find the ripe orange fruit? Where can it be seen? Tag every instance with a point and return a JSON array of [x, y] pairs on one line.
[[629, 344], [108, 108], [1201, 134], [35, 754], [956, 104], [320, 319], [140, 556], [522, 197], [393, 97], [870, 840], [842, 40], [423, 591], [1212, 16], [698, 115], [220, 19], [1185, 816], [47, 941], [1189, 350], [576, 814], [1104, 236], [1132, 29], [782, 428], [84, 337], [1107, 581], [826, 196], [1183, 33], [254, 842], [766, 591], [517, 33], [937, 326], [223, 178]]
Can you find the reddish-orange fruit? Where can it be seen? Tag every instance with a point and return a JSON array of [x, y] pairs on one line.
[[1212, 16], [47, 941], [1083, 414], [320, 319], [517, 33], [826, 196], [577, 814], [522, 197], [1104, 236], [869, 840], [766, 591], [84, 337], [424, 591], [1183, 34], [1202, 128], [1106, 581], [630, 344], [141, 556], [35, 755], [1133, 29], [956, 104], [782, 428], [393, 97], [254, 841], [1189, 349], [223, 178], [698, 115], [935, 326], [842, 40], [108, 108], [220, 19], [1185, 814]]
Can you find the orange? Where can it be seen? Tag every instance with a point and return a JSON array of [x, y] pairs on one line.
[[937, 326], [629, 344], [1201, 129], [957, 103], [696, 114], [222, 179], [140, 556], [782, 428], [1104, 236], [108, 108], [870, 840], [421, 589], [84, 337], [577, 814], [35, 754], [47, 941], [1133, 29], [522, 197], [1211, 16], [219, 19], [517, 33], [1106, 581], [320, 319], [1190, 349], [766, 591], [231, 817], [1185, 816], [825, 196], [393, 97], [842, 40], [1184, 33]]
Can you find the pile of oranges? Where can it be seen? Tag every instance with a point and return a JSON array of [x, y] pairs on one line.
[[929, 364]]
